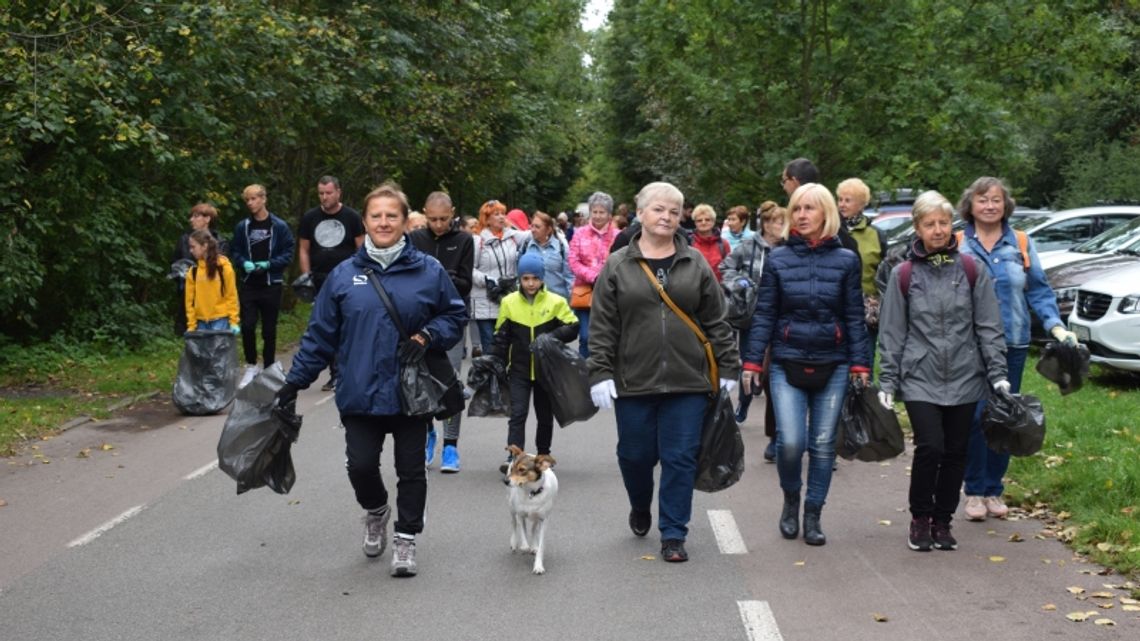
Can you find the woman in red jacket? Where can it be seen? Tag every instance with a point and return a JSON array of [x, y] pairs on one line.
[[707, 238]]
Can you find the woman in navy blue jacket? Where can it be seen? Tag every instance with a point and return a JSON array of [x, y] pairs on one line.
[[810, 311], [351, 322]]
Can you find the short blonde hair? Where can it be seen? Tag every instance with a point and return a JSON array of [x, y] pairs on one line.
[[818, 195], [388, 190], [928, 203], [659, 191], [856, 188], [704, 209], [253, 190]]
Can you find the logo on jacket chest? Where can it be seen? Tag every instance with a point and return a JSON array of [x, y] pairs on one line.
[[359, 279]]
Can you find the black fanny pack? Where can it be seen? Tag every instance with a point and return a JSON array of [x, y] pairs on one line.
[[810, 376]]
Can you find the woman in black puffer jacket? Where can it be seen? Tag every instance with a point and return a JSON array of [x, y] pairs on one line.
[[810, 311]]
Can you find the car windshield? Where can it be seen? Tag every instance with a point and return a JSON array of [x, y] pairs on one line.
[[1027, 222], [1116, 237], [1130, 247]]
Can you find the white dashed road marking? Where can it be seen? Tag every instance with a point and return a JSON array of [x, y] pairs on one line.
[[202, 471], [102, 529], [728, 537], [759, 622], [324, 400]]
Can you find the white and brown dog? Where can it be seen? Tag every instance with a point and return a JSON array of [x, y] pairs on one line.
[[533, 487]]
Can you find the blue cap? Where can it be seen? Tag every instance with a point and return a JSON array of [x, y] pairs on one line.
[[532, 264]]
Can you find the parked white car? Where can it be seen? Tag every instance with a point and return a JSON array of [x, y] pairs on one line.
[[1106, 242], [1066, 228], [1107, 318]]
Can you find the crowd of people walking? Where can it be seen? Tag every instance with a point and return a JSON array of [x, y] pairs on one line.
[[668, 308]]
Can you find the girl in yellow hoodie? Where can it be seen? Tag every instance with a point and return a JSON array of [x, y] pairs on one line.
[[211, 290]]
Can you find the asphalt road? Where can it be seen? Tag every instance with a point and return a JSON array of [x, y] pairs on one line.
[[147, 541]]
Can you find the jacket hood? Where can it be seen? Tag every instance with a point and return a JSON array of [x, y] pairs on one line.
[[918, 250]]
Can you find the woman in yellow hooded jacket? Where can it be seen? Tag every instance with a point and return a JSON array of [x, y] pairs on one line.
[[211, 289]]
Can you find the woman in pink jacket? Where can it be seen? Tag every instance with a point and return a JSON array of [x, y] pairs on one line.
[[589, 249]]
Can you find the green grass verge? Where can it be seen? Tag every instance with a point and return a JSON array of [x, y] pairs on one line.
[[1088, 473], [45, 386]]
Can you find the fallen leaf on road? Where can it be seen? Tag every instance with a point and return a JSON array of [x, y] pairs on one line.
[[800, 564], [881, 618], [1049, 607], [294, 501], [1079, 616], [1015, 538], [991, 532], [1064, 516], [84, 453], [885, 464], [1076, 590], [648, 557], [106, 446], [997, 559], [1102, 595], [1104, 622], [1130, 608], [3, 503], [884, 522], [1127, 601], [1104, 606]]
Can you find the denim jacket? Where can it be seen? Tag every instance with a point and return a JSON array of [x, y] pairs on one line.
[[1017, 290]]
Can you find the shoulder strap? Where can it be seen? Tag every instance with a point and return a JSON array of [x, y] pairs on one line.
[[971, 268], [904, 277], [960, 236], [713, 371], [1023, 246], [375, 280]]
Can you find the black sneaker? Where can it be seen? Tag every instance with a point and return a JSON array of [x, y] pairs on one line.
[[673, 551], [919, 538], [329, 386], [943, 540], [640, 521]]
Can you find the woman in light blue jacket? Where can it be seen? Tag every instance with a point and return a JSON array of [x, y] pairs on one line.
[[553, 249], [1020, 284]]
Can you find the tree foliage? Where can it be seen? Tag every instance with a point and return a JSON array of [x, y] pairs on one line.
[[118, 116], [717, 95]]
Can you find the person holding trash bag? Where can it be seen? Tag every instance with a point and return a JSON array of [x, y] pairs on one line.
[[523, 316], [940, 336], [349, 320], [810, 312], [1020, 284], [650, 366], [202, 217]]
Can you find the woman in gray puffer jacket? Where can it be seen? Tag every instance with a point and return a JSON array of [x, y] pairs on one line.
[[942, 347]]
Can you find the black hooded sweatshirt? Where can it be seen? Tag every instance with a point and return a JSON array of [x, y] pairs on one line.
[[455, 250]]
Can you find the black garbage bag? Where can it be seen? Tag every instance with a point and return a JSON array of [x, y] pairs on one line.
[[254, 447], [487, 379], [1014, 424], [207, 373], [852, 433], [870, 421], [564, 375], [720, 463], [420, 393], [1064, 364]]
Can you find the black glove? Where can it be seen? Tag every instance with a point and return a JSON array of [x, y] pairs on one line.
[[286, 398], [411, 352]]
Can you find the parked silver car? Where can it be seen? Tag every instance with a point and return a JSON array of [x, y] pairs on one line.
[[1107, 318]]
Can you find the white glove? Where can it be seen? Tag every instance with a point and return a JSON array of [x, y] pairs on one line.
[[887, 400], [603, 394], [727, 385], [1064, 336], [1002, 386]]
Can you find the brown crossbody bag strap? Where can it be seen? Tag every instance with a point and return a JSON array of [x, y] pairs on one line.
[[713, 371]]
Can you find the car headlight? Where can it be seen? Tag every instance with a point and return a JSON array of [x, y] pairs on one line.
[[1066, 294], [1130, 304]]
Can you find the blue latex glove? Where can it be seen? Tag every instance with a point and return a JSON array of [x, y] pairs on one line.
[[262, 264], [743, 283], [248, 266], [236, 329]]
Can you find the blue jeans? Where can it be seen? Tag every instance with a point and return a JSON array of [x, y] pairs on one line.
[[665, 428], [985, 467], [216, 324], [806, 421], [583, 332], [486, 331]]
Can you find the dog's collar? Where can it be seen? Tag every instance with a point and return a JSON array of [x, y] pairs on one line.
[[534, 493]]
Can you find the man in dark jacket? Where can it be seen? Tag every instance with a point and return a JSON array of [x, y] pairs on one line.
[[454, 248]]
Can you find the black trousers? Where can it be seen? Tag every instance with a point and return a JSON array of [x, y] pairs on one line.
[[521, 388], [364, 441], [941, 434], [263, 303]]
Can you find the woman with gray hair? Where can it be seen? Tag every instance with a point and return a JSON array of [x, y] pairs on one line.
[[648, 365], [1020, 283], [589, 249], [942, 349]]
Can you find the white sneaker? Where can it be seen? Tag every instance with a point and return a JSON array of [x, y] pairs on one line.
[[975, 508], [251, 372], [996, 507]]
